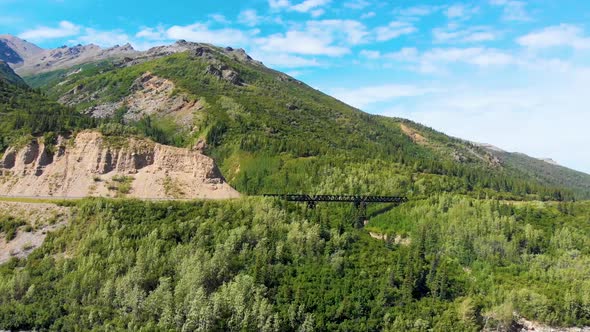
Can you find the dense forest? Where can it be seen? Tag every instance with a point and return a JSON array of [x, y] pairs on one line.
[[264, 265]]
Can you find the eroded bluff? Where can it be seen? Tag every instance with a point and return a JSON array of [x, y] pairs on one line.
[[90, 164]]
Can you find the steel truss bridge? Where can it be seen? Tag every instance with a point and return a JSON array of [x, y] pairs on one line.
[[360, 202]]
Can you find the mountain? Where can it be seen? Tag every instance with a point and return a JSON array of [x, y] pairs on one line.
[[272, 133], [28, 59], [14, 50], [545, 171], [41, 157]]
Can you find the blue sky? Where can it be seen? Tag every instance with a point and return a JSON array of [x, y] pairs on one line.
[[512, 73]]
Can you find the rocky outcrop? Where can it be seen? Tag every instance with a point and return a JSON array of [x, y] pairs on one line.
[[93, 165], [224, 72], [150, 95], [42, 60], [28, 59]]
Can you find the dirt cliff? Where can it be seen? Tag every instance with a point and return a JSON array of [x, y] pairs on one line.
[[91, 164]]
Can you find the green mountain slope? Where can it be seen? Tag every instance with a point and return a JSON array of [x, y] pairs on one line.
[[272, 133], [25, 112], [545, 172], [7, 75]]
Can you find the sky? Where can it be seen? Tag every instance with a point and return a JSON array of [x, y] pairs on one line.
[[512, 73]]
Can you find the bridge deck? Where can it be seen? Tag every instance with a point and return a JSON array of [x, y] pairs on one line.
[[340, 198]]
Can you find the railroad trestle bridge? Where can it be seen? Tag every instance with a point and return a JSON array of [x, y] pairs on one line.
[[360, 202]]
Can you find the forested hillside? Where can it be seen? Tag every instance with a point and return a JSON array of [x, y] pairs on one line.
[[25, 113], [259, 265], [272, 133]]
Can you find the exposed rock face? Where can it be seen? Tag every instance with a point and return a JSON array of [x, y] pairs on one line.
[[150, 95], [224, 72], [92, 165], [14, 50]]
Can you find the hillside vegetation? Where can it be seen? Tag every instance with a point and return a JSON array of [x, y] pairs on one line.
[[260, 265], [269, 133], [25, 113]]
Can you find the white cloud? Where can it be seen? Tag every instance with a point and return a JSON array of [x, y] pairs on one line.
[[453, 34], [199, 32], [370, 54], [357, 4], [368, 15], [300, 42], [308, 5], [478, 56], [321, 37], [64, 29], [249, 17], [318, 12], [102, 38], [459, 11], [219, 18], [405, 54], [158, 33], [284, 60], [439, 60], [395, 29], [350, 31], [364, 96], [561, 35], [277, 4], [417, 11], [513, 10]]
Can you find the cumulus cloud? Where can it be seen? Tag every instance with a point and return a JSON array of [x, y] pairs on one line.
[[284, 60], [439, 59], [64, 29], [219, 18], [277, 4], [454, 34], [357, 4], [323, 37], [416, 12], [249, 17], [301, 42], [365, 96], [560, 35], [102, 38], [197, 32], [513, 10], [460, 11], [393, 30], [307, 5]]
